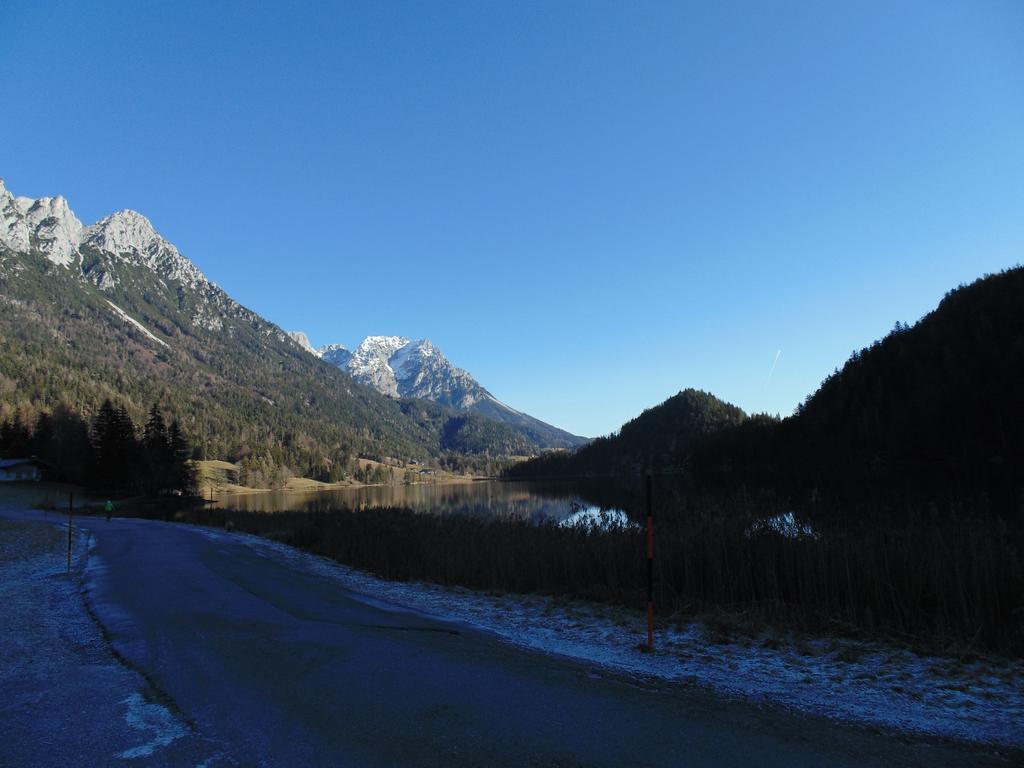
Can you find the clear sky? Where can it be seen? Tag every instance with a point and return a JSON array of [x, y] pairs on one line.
[[587, 205]]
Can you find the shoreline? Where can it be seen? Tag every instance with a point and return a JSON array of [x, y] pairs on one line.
[[205, 486], [342, 486]]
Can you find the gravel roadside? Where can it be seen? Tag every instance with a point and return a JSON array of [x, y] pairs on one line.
[[67, 700]]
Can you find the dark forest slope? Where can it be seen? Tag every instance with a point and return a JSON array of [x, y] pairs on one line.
[[659, 438], [932, 412]]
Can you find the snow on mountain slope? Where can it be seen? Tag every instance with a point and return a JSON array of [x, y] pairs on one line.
[[371, 363], [336, 354], [401, 367], [133, 322]]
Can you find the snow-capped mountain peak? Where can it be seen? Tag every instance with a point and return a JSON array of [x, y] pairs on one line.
[[376, 346], [336, 354], [370, 363], [401, 367]]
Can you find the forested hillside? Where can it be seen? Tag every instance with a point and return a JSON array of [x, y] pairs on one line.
[[932, 413], [660, 438]]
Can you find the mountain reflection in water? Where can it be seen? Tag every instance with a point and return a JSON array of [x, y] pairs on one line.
[[533, 501]]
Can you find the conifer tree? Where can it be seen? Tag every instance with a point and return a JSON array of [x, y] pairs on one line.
[[182, 474], [157, 450], [116, 449]]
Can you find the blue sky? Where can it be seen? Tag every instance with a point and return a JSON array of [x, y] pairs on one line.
[[587, 205]]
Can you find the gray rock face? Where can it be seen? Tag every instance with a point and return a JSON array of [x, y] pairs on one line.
[[302, 340], [48, 226], [130, 236], [45, 225]]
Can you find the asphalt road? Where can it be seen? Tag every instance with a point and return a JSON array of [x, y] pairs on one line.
[[267, 664]]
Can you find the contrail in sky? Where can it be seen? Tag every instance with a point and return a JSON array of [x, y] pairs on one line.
[[774, 363]]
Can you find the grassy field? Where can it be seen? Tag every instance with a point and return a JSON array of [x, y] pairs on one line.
[[220, 477]]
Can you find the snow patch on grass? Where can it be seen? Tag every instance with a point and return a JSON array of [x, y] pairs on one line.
[[145, 715]]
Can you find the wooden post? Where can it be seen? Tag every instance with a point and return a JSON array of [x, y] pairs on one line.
[[650, 567], [71, 515]]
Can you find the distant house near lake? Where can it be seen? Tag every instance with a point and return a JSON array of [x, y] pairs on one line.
[[20, 469]]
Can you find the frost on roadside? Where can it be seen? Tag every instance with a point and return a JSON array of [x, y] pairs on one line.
[[979, 699]]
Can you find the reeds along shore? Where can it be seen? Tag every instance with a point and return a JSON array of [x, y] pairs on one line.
[[957, 585]]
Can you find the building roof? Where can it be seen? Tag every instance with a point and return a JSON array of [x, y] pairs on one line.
[[4, 463]]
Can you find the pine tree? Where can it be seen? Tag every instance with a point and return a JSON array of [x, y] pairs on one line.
[[73, 455], [156, 447], [183, 477], [15, 439], [116, 448]]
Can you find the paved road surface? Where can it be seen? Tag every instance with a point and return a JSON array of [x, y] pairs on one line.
[[270, 665]]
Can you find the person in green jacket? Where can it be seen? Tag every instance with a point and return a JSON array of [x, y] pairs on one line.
[[110, 509]]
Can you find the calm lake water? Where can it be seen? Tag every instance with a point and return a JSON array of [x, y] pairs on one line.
[[572, 502]]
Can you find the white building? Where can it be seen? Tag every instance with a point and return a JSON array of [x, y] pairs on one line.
[[20, 469]]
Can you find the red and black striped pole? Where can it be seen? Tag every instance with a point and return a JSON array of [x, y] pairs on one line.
[[650, 567], [71, 515]]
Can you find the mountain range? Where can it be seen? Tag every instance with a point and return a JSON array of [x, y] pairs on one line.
[[399, 367], [115, 310]]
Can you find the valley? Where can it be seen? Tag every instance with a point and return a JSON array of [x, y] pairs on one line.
[[556, 385]]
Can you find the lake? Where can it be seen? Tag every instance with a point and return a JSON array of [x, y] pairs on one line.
[[573, 502]]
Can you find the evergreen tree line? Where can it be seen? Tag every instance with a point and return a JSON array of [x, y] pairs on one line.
[[108, 455]]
